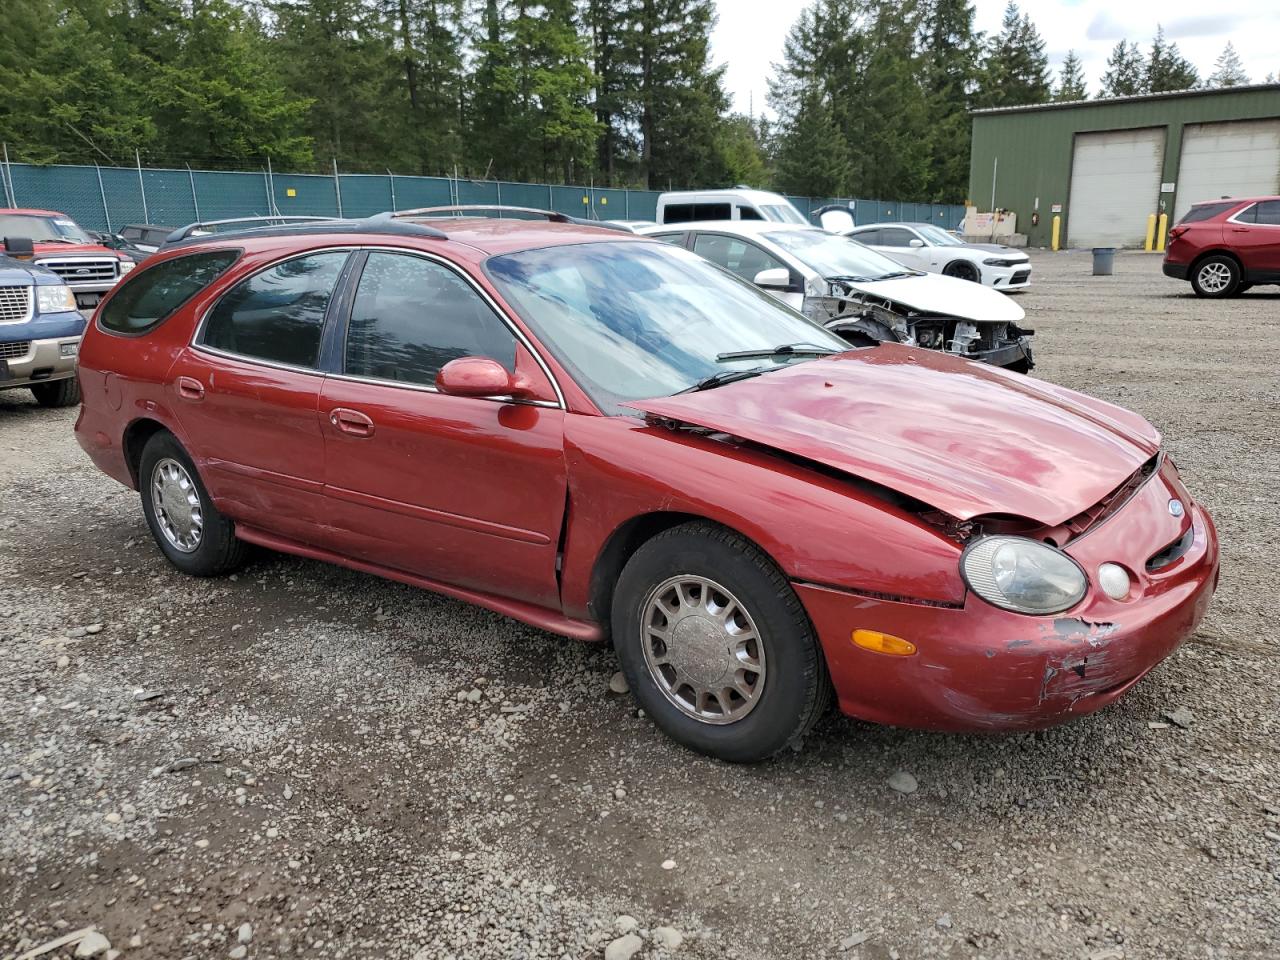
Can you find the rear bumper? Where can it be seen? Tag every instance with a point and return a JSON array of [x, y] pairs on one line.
[[979, 668], [44, 360], [1179, 271]]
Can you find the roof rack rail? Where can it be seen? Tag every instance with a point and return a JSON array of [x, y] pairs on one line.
[[289, 226], [554, 216], [182, 233]]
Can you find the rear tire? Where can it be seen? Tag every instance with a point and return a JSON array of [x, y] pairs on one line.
[[961, 270], [58, 393], [744, 675], [187, 527], [1216, 277]]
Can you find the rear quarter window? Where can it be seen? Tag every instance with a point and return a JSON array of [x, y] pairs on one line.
[[1207, 211], [145, 301]]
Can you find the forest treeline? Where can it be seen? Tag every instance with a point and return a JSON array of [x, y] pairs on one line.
[[871, 97]]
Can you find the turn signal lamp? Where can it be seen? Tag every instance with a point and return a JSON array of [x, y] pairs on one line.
[[883, 643]]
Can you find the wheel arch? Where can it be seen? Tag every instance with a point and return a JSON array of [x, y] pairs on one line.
[[630, 536], [1216, 252], [136, 435]]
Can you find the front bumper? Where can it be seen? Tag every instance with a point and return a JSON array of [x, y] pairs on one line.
[[43, 361], [1007, 278], [1005, 355], [978, 667]]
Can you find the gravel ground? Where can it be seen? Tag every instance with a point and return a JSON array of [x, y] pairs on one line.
[[306, 761]]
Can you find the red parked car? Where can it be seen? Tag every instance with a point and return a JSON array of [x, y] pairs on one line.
[[1224, 247], [609, 437]]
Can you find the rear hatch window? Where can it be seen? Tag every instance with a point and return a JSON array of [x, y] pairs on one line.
[[151, 297], [1207, 211]]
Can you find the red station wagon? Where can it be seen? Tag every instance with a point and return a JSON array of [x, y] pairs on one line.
[[609, 437], [1224, 247]]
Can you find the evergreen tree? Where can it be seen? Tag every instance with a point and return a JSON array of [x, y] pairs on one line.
[[341, 56], [741, 145], [680, 96], [1167, 69], [65, 100], [1016, 69], [950, 57], [1228, 71], [1071, 82], [613, 56], [217, 94], [1126, 72], [813, 156]]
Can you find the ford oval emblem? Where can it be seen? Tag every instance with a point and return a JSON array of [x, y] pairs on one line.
[[1176, 508], [82, 272]]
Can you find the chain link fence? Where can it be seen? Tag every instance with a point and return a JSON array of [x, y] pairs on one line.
[[106, 198]]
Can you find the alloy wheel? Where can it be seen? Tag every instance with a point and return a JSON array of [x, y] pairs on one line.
[[1214, 277]]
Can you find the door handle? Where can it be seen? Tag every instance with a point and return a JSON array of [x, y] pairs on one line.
[[352, 422], [190, 388], [1239, 229]]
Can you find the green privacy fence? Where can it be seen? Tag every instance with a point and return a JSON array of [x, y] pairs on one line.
[[105, 198]]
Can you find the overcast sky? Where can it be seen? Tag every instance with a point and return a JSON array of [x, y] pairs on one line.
[[750, 33]]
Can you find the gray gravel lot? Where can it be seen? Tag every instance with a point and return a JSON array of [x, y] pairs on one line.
[[305, 761]]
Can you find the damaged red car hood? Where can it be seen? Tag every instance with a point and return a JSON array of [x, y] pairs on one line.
[[960, 436]]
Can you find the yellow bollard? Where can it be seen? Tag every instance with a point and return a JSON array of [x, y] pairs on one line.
[[1057, 233], [1151, 233], [1160, 232]]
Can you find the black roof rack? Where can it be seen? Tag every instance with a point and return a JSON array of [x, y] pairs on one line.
[[292, 226], [458, 209]]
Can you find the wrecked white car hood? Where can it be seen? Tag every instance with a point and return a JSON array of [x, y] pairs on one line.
[[934, 293]]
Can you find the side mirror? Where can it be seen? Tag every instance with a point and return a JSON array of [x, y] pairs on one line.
[[916, 242], [479, 377], [20, 248], [777, 278]]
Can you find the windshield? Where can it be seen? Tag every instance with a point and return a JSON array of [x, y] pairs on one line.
[[835, 256], [938, 237], [637, 320], [42, 229], [782, 213]]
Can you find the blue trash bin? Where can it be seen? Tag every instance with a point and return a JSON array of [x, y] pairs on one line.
[[1104, 261]]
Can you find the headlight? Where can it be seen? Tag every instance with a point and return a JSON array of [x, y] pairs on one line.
[[1022, 575], [55, 298], [1001, 263]]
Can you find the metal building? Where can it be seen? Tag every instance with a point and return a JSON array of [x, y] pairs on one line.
[[1105, 166]]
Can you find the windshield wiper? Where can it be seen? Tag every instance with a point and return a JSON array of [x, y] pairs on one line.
[[899, 273], [784, 350], [850, 279], [725, 376]]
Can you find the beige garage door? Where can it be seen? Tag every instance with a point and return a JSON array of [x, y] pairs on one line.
[[1115, 186], [1236, 159]]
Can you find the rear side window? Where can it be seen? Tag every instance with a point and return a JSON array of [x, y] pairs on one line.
[[1207, 211], [277, 315], [870, 237], [412, 316], [690, 212], [749, 213], [147, 300]]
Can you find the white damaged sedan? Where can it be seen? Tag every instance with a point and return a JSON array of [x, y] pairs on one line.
[[860, 294]]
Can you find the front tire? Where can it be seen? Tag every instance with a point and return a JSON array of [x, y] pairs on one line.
[[58, 393], [716, 645], [961, 270], [1216, 277], [187, 527]]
